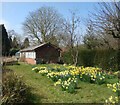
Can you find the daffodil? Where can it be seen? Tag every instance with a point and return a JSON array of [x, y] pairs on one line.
[[106, 101], [114, 90]]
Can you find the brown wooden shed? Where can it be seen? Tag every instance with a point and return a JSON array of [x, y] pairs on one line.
[[44, 53]]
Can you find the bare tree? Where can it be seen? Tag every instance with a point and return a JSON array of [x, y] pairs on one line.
[[94, 39], [71, 27], [12, 34], [43, 24], [106, 23], [90, 39], [63, 39]]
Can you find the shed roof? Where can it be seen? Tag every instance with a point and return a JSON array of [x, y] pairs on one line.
[[35, 47]]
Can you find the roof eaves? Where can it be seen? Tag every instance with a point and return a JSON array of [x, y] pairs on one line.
[[35, 47]]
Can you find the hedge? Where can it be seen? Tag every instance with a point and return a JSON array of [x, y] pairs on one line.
[[106, 59]]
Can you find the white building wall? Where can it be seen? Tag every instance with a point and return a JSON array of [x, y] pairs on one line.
[[20, 54], [30, 55]]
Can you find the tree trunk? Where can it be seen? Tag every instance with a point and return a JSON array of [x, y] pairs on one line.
[[76, 57]]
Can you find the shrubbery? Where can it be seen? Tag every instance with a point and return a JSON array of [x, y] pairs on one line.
[[13, 51], [13, 89], [106, 59]]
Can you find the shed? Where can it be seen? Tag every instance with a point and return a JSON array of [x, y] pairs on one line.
[[17, 54], [43, 53]]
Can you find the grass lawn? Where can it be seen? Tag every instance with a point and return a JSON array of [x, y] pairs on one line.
[[44, 91]]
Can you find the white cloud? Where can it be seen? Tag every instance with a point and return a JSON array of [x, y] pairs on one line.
[[6, 24]]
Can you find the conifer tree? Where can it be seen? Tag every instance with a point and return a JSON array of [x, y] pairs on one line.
[[5, 41], [15, 43], [26, 43]]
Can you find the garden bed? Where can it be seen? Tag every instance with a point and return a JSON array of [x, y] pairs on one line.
[[45, 92]]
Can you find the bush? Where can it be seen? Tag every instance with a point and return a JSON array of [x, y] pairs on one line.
[[106, 59], [4, 70], [13, 51], [14, 89], [86, 57], [67, 58]]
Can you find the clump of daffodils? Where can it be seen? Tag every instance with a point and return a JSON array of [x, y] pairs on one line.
[[43, 72], [115, 87], [116, 72], [36, 69], [68, 85], [90, 74], [67, 76], [112, 100], [58, 75]]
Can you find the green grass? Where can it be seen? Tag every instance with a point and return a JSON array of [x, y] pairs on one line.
[[44, 91]]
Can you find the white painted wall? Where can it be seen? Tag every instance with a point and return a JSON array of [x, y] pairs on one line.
[[30, 55], [22, 54]]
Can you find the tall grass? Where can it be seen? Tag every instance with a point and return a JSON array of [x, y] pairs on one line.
[[14, 90]]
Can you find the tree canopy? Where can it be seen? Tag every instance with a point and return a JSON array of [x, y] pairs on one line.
[[43, 24], [26, 43], [5, 41], [105, 23]]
